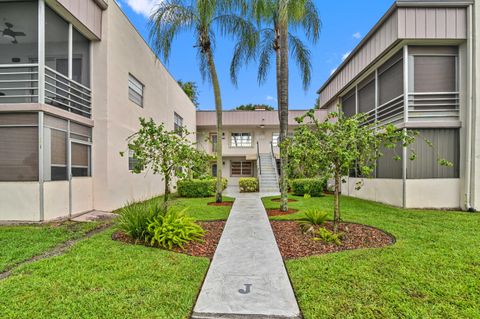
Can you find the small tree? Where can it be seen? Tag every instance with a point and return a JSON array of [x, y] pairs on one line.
[[341, 144], [253, 107], [167, 153]]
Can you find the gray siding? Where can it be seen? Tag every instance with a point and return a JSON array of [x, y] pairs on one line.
[[403, 23]]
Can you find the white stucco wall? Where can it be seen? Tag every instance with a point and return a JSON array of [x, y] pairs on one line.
[[82, 195], [56, 199], [433, 193], [19, 201], [388, 191], [123, 51]]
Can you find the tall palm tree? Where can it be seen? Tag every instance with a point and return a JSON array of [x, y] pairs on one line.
[[275, 19], [203, 18]]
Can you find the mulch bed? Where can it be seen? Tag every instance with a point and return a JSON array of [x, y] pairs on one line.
[[277, 212], [278, 200], [206, 248], [227, 203], [293, 243]]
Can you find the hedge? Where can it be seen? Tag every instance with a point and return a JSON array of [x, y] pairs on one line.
[[198, 187], [248, 185], [312, 186]]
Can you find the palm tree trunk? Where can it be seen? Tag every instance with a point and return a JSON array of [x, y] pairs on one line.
[[283, 110], [167, 190], [218, 109]]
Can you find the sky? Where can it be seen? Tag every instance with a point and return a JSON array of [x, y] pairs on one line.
[[344, 24]]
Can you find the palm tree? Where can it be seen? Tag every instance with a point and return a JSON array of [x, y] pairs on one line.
[[276, 18], [203, 18]]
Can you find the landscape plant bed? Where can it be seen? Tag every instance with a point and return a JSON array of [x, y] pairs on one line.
[[277, 212], [293, 243], [278, 200], [225, 203], [206, 248]]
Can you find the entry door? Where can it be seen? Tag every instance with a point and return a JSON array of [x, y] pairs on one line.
[[79, 164]]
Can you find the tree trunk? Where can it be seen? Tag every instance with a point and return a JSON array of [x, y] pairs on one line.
[[336, 208], [218, 110], [167, 190], [282, 84]]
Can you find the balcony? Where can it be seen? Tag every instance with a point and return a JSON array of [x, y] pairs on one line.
[[19, 83]]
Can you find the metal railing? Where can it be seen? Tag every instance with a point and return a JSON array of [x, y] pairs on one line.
[[67, 94], [434, 105], [274, 159], [259, 162], [19, 83]]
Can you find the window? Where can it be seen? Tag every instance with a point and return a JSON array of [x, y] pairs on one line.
[[241, 168], [177, 123], [366, 95], [213, 140], [19, 147], [132, 161], [435, 74], [81, 166], [349, 103], [58, 154], [275, 138], [214, 170], [135, 90], [241, 140], [390, 79]]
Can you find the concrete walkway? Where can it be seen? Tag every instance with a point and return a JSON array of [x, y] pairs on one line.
[[247, 277]]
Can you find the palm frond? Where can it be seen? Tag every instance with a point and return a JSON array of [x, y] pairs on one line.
[[311, 21], [301, 54], [169, 18], [266, 52]]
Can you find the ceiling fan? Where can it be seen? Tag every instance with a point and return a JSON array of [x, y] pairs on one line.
[[10, 34]]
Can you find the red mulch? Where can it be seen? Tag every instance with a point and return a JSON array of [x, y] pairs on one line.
[[277, 212], [220, 204], [293, 243], [206, 248], [278, 200]]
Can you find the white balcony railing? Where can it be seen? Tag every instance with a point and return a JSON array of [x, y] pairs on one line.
[[433, 105], [19, 84]]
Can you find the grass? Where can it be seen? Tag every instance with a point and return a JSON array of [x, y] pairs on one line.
[[19, 243], [432, 271], [102, 278], [198, 208], [99, 277]]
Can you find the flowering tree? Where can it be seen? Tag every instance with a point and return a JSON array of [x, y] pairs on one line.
[[167, 153], [341, 144]]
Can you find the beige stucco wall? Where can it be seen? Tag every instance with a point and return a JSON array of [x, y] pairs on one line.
[[123, 51], [19, 201], [475, 190], [56, 199], [82, 194]]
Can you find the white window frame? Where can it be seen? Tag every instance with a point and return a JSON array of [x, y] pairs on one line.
[[137, 87], [235, 143], [177, 122]]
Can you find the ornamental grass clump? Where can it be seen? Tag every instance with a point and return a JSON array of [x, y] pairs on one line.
[[328, 237], [134, 218], [173, 229], [313, 219]]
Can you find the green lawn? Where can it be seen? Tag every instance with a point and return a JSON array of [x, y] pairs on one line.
[[102, 278], [99, 277], [19, 243], [433, 270]]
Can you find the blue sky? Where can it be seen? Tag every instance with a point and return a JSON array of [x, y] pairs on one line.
[[345, 22]]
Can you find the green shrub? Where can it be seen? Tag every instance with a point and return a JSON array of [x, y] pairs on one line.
[[312, 186], [313, 219], [194, 188], [173, 229], [328, 237], [134, 218], [248, 185]]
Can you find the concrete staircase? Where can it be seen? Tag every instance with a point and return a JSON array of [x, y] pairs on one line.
[[268, 177]]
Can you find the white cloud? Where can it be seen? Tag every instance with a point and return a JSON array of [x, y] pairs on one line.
[[333, 71], [357, 35], [345, 55], [143, 7], [271, 98]]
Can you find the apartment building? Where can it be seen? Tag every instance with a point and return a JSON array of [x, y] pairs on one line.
[[75, 76], [418, 69], [249, 143]]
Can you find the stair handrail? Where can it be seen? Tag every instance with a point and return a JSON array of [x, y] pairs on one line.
[[274, 159], [259, 163]]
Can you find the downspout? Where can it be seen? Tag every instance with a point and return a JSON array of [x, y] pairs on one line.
[[405, 119], [470, 119]]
